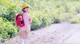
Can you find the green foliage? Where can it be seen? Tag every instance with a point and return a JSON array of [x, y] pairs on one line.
[[9, 9], [75, 19], [7, 30], [53, 11]]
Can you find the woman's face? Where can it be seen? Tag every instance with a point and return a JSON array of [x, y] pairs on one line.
[[25, 9]]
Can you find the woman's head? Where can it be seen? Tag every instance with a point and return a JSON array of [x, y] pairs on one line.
[[25, 7]]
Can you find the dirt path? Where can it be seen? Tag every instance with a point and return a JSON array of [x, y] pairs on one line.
[[53, 34]]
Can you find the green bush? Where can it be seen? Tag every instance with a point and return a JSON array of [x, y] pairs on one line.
[[7, 30], [10, 9], [75, 19]]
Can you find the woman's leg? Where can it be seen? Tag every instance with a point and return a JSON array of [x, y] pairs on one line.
[[25, 41], [23, 36], [22, 41], [26, 38]]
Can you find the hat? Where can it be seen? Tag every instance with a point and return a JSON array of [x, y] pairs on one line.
[[24, 5]]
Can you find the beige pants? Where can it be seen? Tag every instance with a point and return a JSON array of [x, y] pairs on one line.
[[23, 33]]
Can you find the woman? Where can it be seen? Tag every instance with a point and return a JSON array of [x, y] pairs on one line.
[[24, 30]]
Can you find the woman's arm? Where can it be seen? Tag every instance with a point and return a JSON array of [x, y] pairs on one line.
[[30, 20]]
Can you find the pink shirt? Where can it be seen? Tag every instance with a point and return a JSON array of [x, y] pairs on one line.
[[27, 22]]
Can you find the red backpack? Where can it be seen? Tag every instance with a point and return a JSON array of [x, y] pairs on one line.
[[19, 20]]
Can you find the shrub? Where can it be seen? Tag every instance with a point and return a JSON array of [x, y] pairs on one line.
[[75, 19], [7, 30]]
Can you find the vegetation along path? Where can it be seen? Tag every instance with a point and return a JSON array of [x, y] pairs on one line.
[[63, 33]]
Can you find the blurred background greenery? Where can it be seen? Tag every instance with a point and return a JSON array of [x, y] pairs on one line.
[[43, 13]]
